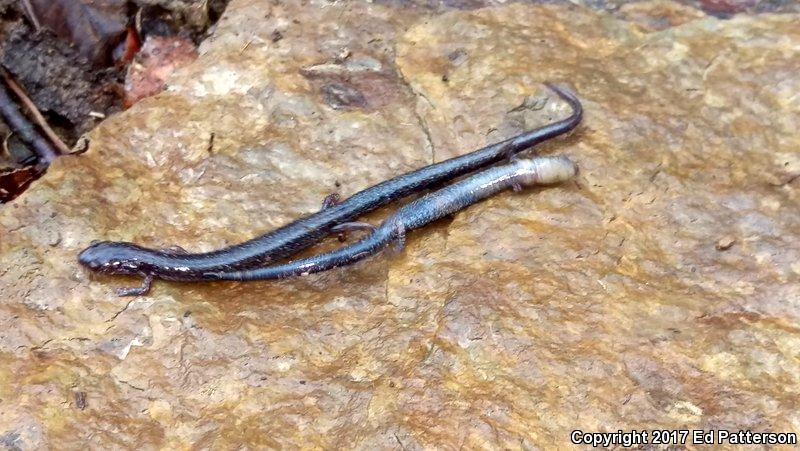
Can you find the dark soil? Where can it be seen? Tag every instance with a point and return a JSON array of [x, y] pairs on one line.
[[73, 66]]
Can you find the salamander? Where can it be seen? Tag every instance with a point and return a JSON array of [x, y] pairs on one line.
[[113, 257], [426, 209]]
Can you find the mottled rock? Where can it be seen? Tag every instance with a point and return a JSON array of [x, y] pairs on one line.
[[656, 15], [154, 64], [601, 304]]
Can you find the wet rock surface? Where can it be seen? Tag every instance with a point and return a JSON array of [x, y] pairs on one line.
[[660, 290]]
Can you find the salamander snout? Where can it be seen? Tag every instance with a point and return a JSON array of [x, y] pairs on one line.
[[113, 258]]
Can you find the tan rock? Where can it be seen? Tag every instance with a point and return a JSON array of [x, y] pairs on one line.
[[597, 305]]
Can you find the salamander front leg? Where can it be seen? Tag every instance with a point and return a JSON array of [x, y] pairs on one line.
[[137, 291], [174, 250], [329, 201]]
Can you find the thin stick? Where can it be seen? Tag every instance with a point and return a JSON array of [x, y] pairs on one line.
[[37, 116], [32, 14], [5, 144], [22, 126]]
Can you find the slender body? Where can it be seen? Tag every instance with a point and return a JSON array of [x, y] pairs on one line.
[[128, 258], [537, 171]]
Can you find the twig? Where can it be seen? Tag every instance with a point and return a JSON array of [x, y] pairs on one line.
[[22, 126], [26, 4], [37, 116], [5, 144]]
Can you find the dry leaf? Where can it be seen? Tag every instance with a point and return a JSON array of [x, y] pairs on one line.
[[95, 27]]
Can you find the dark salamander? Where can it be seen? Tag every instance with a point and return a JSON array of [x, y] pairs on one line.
[[429, 208], [127, 258]]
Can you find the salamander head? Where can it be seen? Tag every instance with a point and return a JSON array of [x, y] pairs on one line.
[[545, 170], [113, 257]]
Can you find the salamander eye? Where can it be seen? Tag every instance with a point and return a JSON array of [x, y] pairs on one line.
[[93, 242]]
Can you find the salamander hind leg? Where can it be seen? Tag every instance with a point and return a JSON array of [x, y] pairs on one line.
[[400, 241], [352, 226], [513, 158], [137, 291]]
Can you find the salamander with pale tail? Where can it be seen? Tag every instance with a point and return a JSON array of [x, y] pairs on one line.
[[429, 208], [113, 257]]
